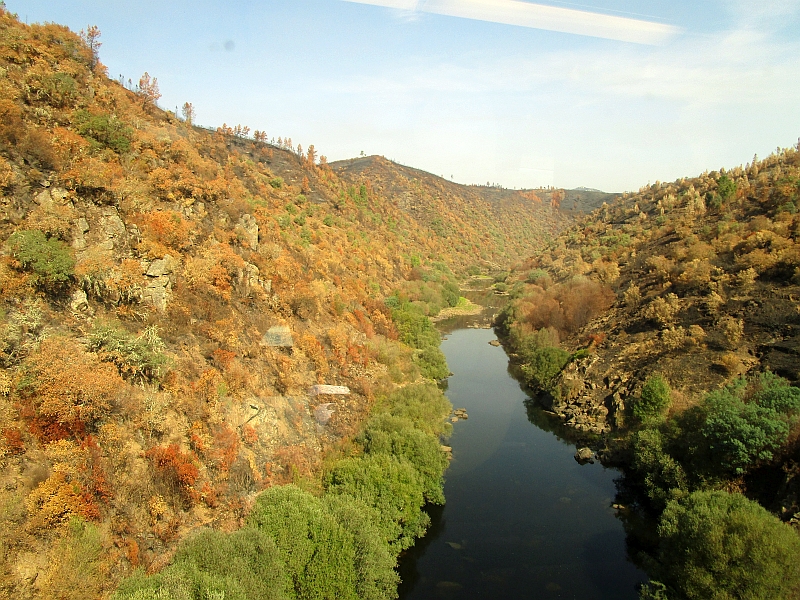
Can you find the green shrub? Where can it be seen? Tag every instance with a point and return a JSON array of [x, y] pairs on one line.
[[423, 404], [105, 131], [653, 590], [726, 187], [432, 363], [317, 552], [654, 400], [276, 182], [746, 423], [414, 328], [663, 477], [137, 357], [393, 487], [397, 436], [237, 566], [724, 546], [535, 275], [49, 259], [451, 293], [376, 578], [542, 366]]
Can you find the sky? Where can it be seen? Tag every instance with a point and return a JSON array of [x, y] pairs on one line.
[[606, 94]]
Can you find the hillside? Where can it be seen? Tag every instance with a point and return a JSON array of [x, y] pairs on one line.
[[665, 327], [701, 277], [486, 223], [169, 299]]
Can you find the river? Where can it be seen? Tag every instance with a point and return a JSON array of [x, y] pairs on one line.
[[523, 519]]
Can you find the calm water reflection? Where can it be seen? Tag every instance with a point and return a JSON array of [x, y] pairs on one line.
[[523, 519]]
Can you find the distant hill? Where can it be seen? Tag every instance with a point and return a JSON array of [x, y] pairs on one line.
[[487, 223]]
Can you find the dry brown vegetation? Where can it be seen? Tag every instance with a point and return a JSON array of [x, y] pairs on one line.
[[145, 267]]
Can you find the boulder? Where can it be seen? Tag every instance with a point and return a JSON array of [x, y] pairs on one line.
[[247, 228], [584, 455], [78, 302], [161, 266]]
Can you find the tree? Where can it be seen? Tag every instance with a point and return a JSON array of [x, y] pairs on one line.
[[724, 546], [147, 90], [188, 113], [654, 399], [90, 37], [312, 155], [318, 552]]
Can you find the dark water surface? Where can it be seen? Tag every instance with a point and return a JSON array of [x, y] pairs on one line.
[[523, 519]]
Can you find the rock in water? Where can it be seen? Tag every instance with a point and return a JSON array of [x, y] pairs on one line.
[[584, 455]]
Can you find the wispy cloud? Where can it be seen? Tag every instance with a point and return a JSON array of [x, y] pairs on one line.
[[540, 16]]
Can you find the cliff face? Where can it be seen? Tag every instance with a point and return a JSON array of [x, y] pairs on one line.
[[169, 298]]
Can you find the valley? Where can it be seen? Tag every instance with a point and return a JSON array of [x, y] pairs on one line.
[[221, 374]]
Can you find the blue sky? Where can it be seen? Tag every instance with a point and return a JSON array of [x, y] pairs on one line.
[[476, 100]]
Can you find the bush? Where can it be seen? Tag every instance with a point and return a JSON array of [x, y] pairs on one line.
[[542, 365], [663, 477], [422, 404], [239, 566], [746, 424], [138, 357], [432, 363], [397, 436], [654, 400], [724, 546], [726, 188], [393, 487], [317, 552], [105, 131], [75, 571], [376, 578], [68, 388], [414, 328], [49, 259]]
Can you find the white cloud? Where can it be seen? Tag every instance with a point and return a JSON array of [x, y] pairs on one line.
[[540, 16]]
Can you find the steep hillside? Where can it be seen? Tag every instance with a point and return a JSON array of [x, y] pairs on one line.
[[665, 327], [171, 297], [478, 223], [702, 272]]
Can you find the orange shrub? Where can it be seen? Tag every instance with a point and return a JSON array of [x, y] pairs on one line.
[[176, 468], [69, 387]]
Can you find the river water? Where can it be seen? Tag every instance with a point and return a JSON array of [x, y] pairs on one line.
[[523, 519]]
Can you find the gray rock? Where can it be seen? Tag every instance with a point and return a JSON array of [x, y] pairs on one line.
[[79, 302], [161, 266], [279, 336], [584, 455], [111, 224], [158, 292], [323, 413], [44, 199], [248, 228]]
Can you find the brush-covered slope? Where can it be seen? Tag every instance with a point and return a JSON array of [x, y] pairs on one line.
[[169, 297], [480, 224], [696, 280]]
